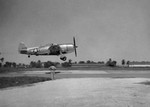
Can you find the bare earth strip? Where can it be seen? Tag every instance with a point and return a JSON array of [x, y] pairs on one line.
[[116, 90]]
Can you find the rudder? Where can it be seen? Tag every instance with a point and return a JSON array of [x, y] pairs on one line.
[[22, 47]]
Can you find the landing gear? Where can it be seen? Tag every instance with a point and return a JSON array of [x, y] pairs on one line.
[[28, 56], [63, 58]]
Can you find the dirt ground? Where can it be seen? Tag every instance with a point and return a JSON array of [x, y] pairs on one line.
[[81, 89]]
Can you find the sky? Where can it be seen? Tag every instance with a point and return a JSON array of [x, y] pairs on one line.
[[116, 29]]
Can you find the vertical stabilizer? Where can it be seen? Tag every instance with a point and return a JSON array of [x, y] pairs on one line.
[[22, 48]]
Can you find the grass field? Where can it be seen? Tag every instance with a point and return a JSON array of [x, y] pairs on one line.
[[18, 81]]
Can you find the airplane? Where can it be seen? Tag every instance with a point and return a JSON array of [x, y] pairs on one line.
[[49, 49]]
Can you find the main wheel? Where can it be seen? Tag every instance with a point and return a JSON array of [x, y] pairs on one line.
[[63, 58], [28, 56]]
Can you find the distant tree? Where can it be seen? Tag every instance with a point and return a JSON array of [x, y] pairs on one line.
[[19, 65], [100, 62], [70, 61], [49, 63], [33, 64], [92, 62], [14, 64], [7, 64], [108, 63], [111, 63], [88, 61], [38, 64], [123, 62], [2, 60], [114, 63], [66, 64], [46, 65], [75, 62], [56, 63], [110, 59], [81, 62], [128, 62]]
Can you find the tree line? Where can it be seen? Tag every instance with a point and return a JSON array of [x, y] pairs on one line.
[[39, 64]]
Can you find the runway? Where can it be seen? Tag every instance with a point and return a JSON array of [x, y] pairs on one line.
[[81, 89]]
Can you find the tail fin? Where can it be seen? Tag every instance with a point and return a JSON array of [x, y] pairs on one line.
[[22, 47]]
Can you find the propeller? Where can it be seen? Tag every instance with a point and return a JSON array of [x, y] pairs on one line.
[[74, 43]]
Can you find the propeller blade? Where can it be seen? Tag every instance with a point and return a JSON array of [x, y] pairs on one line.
[[75, 52], [74, 42]]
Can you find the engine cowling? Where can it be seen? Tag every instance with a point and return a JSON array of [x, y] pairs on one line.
[[67, 48]]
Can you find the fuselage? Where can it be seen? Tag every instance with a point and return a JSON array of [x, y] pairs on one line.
[[50, 49]]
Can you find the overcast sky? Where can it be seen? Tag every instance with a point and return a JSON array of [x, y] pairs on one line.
[[117, 29]]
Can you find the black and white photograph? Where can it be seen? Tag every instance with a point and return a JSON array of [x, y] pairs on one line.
[[74, 53]]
